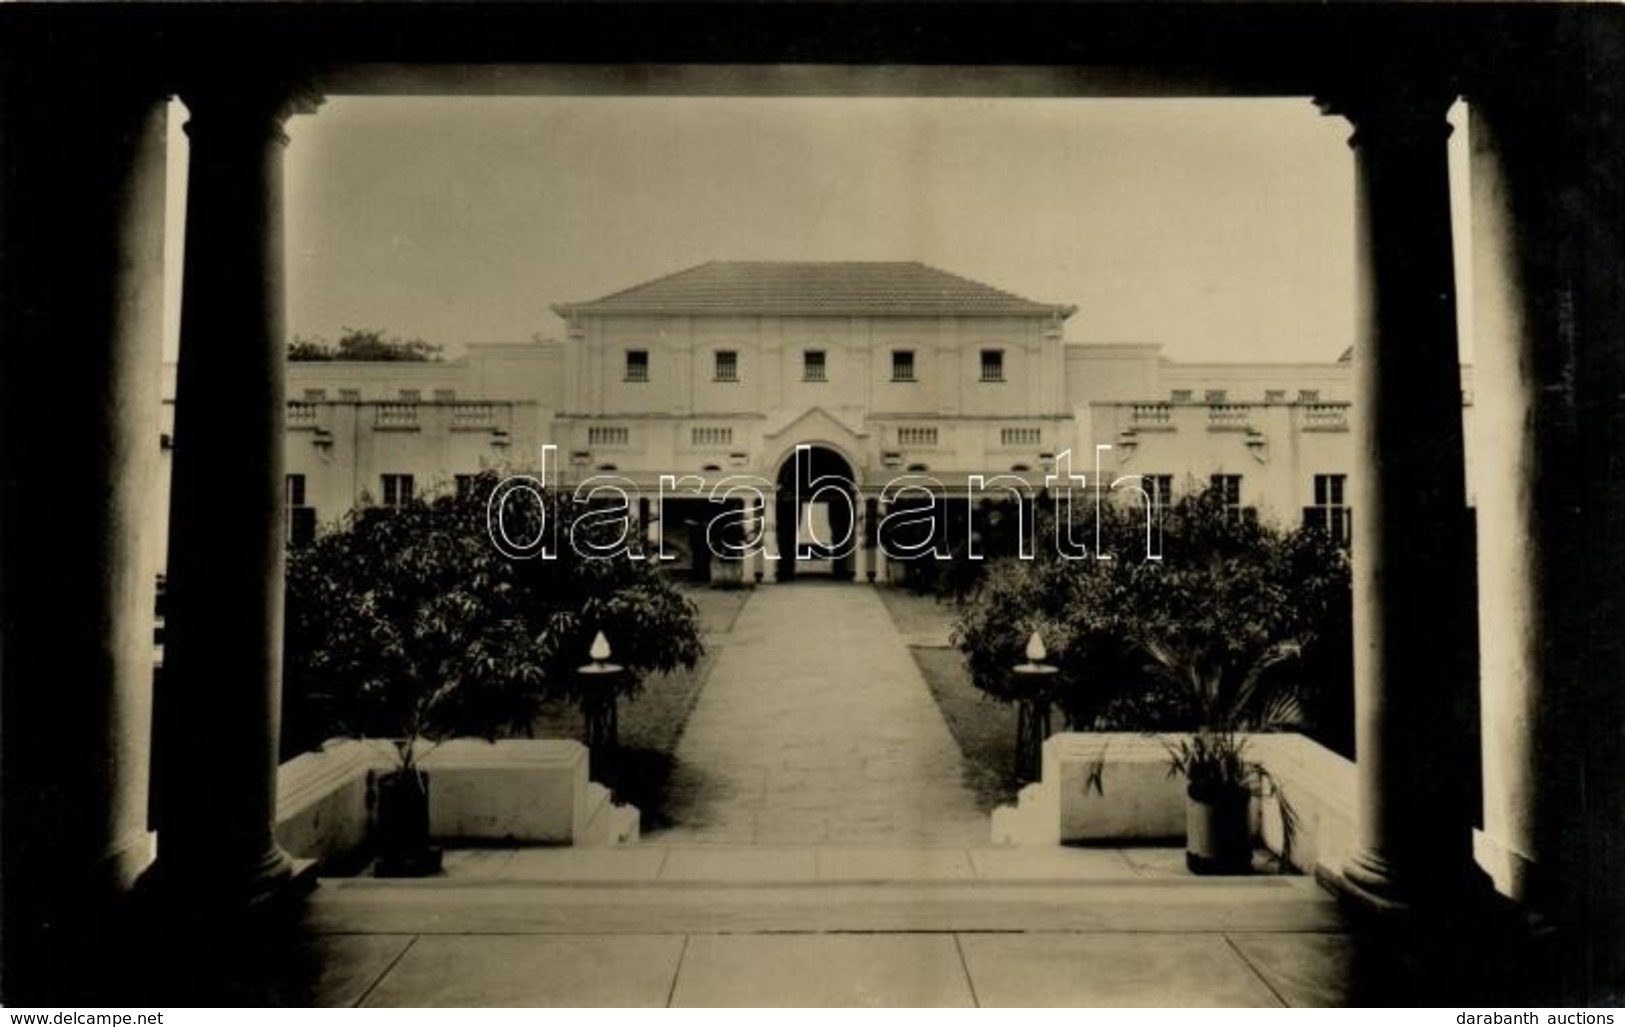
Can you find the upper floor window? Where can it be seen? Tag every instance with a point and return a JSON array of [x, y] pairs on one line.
[[637, 365], [350, 395], [1217, 396], [1275, 395], [902, 365], [727, 366], [315, 395], [993, 365], [1181, 396], [411, 395], [445, 395], [813, 368], [1308, 395], [464, 484], [397, 490]]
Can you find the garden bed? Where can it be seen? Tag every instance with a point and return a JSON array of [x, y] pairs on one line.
[[652, 724], [984, 730]]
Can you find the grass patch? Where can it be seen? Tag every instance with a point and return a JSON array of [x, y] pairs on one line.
[[652, 724], [984, 730]]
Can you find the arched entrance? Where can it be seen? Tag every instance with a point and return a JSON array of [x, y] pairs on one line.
[[816, 514]]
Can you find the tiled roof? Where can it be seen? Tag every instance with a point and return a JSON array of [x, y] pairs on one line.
[[811, 288]]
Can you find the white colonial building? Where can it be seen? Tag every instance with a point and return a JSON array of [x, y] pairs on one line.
[[887, 371]]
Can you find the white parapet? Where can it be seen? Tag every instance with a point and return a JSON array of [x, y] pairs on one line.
[[1319, 787], [515, 791], [1117, 787], [324, 808]]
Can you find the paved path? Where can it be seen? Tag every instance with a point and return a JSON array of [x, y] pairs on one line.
[[816, 726]]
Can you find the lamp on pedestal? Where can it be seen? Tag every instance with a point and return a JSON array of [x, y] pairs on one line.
[[1034, 680], [599, 704]]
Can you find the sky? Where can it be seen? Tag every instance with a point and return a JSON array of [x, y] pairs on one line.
[[1220, 229]]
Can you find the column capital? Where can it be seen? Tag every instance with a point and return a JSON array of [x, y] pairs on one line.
[[254, 107], [1400, 110]]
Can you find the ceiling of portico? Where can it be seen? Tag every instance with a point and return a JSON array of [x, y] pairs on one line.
[[815, 49]]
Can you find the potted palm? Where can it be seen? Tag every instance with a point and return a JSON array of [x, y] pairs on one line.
[[1220, 781]]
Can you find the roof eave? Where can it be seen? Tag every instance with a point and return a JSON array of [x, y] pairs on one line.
[[567, 310]]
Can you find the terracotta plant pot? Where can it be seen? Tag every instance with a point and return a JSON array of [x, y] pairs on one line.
[[402, 832], [1218, 829]]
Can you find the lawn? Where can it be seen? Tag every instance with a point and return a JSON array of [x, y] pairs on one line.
[[984, 730], [652, 724]]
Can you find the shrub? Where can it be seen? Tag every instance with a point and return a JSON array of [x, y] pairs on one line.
[[408, 623], [1227, 591]]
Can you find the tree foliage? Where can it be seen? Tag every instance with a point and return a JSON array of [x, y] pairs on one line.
[[408, 623], [1235, 617], [364, 344]]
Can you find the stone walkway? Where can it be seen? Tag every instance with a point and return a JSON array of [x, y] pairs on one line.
[[815, 726]]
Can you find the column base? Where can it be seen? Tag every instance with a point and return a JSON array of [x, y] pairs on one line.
[[1440, 945], [204, 943], [1368, 880], [1371, 887], [217, 886]]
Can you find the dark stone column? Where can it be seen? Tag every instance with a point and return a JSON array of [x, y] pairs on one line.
[[81, 286], [223, 675], [1410, 529]]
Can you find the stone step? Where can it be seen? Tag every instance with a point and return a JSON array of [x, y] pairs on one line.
[[806, 864], [611, 825], [452, 906]]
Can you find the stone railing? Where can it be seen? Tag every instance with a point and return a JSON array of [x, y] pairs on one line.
[[1151, 415], [396, 415], [609, 435], [1228, 415], [473, 416], [302, 415], [1325, 416], [917, 436]]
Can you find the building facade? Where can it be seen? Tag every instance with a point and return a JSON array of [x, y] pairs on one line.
[[885, 373]]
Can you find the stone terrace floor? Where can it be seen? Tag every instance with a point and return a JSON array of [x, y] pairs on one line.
[[717, 925]]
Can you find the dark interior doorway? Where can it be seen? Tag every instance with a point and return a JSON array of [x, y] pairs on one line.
[[816, 514]]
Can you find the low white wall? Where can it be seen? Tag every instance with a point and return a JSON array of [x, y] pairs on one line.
[[323, 801], [515, 790], [1138, 800], [518, 791], [1319, 786]]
